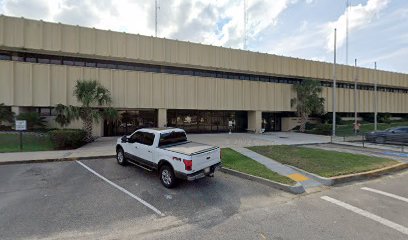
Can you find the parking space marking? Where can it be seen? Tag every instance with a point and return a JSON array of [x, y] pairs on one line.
[[122, 189], [366, 214], [385, 194]]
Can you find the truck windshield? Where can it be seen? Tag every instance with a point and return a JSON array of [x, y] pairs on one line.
[[172, 138]]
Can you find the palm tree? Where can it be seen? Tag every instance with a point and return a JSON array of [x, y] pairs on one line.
[[6, 115], [307, 100], [91, 95]]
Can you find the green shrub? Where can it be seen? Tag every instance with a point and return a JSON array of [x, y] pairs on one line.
[[322, 129], [67, 138]]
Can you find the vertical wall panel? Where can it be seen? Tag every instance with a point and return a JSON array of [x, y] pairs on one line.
[[87, 40], [118, 44], [70, 38], [146, 89], [132, 46], [52, 36], [41, 85], [118, 88], [13, 32], [7, 82], [73, 75], [58, 85], [23, 84], [32, 34], [132, 89], [102, 43]]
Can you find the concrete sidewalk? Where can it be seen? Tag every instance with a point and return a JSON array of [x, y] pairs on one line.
[[279, 168], [100, 148]]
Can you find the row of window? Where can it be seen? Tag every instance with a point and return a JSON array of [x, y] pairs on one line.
[[96, 63]]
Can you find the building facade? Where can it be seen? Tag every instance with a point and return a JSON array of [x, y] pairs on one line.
[[163, 82]]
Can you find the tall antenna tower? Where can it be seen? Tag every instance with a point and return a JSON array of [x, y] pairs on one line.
[[347, 28], [156, 8], [245, 24]]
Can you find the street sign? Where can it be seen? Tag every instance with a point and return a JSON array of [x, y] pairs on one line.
[[21, 125]]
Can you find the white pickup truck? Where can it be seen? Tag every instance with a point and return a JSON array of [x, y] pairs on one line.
[[168, 151]]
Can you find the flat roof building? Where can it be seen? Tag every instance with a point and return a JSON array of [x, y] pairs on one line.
[[162, 82]]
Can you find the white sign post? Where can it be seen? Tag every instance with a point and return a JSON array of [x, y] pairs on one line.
[[21, 125]]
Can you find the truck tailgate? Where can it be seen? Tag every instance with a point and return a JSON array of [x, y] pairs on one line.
[[205, 159]]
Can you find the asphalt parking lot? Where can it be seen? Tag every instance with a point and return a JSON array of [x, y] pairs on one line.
[[45, 200], [64, 200]]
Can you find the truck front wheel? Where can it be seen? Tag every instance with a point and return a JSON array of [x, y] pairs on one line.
[[167, 176]]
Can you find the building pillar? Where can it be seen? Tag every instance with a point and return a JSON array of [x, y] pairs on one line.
[[162, 117], [255, 121], [16, 110]]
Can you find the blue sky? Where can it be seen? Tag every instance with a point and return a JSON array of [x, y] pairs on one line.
[[298, 28]]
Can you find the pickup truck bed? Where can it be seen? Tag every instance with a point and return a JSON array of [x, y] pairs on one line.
[[190, 148]]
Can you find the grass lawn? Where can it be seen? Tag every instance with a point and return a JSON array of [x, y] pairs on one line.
[[11, 143], [236, 161], [347, 130], [322, 162]]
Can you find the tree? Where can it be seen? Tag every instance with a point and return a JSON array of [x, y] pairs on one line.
[[307, 100], [91, 95], [6, 115]]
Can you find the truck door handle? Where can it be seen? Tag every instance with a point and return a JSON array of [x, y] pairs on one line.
[[149, 151]]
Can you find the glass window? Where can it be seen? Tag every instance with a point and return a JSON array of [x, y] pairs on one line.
[[31, 59], [172, 138], [136, 137], [79, 63], [148, 138], [56, 61], [68, 62], [90, 64], [44, 60], [5, 56]]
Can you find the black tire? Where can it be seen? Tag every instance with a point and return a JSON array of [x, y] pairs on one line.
[[120, 157], [380, 140], [167, 177]]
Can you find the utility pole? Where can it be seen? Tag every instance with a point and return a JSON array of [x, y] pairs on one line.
[[355, 96], [347, 29], [334, 85], [245, 23], [156, 7], [375, 97]]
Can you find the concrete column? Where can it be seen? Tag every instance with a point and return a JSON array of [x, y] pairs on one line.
[[255, 121], [16, 110], [162, 117]]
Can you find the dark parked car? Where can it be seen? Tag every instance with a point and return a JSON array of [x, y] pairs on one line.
[[396, 134]]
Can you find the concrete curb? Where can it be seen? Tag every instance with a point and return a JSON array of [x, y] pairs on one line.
[[354, 177], [370, 174], [65, 159], [295, 189]]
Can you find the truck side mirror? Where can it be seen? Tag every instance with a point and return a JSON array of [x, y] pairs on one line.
[[125, 139]]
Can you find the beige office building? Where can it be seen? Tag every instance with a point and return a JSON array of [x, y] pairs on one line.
[[163, 82]]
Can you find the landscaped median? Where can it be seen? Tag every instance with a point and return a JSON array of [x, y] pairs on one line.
[[326, 164], [240, 165]]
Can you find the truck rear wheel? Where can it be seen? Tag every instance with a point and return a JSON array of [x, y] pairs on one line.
[[167, 176]]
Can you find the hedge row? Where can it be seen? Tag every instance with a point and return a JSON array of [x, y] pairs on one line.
[[67, 138]]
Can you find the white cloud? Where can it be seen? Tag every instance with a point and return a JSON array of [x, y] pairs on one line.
[[359, 16]]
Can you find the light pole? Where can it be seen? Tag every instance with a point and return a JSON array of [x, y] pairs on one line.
[[375, 97], [334, 86], [355, 96]]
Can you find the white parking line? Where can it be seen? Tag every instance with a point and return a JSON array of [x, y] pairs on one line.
[[122, 189], [385, 194], [366, 214]]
